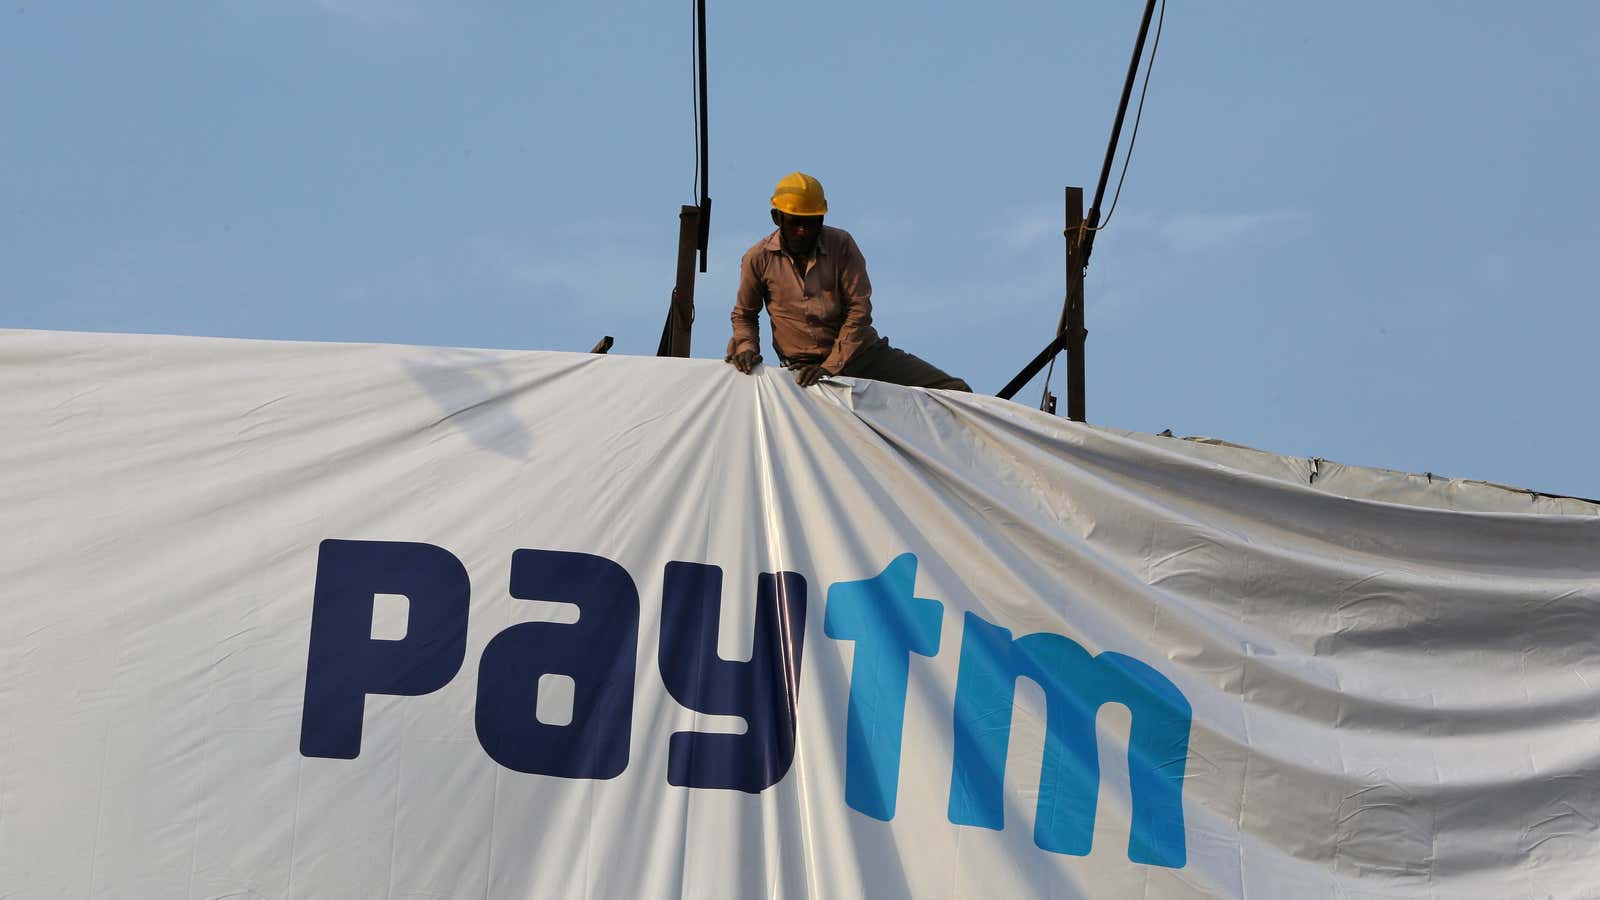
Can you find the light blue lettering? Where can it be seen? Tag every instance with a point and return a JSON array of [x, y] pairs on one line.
[[1075, 686], [887, 624]]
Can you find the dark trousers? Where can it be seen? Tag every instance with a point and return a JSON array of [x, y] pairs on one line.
[[881, 362]]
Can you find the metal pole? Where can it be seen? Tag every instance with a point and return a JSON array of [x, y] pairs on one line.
[[1033, 367], [1070, 332], [1072, 313], [694, 222], [1086, 246], [703, 237], [676, 334], [1116, 130]]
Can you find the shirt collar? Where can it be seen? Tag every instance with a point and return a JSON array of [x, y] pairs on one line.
[[774, 241]]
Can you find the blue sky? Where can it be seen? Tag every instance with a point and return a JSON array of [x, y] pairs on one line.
[[1361, 231]]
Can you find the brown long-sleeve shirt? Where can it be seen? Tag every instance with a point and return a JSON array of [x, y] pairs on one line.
[[821, 307]]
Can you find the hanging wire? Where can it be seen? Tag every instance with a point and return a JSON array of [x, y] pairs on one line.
[[1138, 113], [1127, 157], [1044, 396], [1133, 136]]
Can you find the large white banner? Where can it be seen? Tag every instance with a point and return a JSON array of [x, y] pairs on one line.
[[312, 620]]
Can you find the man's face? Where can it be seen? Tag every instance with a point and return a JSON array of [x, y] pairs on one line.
[[799, 233]]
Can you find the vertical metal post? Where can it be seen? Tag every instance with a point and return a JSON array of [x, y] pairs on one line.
[[1073, 331], [694, 222], [703, 235], [679, 329], [1072, 313]]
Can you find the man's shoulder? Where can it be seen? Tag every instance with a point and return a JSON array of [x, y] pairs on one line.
[[765, 245], [838, 239]]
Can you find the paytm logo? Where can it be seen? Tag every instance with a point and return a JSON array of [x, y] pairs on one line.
[[886, 622]]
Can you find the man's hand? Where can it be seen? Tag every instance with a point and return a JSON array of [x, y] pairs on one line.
[[745, 360], [807, 374]]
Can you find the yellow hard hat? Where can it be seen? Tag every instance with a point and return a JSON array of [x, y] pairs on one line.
[[798, 194]]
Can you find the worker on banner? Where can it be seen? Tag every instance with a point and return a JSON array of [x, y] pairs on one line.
[[813, 282]]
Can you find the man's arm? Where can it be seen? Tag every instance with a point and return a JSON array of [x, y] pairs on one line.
[[746, 316], [855, 295]]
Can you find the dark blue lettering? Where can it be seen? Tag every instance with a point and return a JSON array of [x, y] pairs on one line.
[[597, 652], [763, 691], [345, 663]]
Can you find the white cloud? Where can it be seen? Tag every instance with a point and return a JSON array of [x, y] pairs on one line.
[[1181, 232], [1195, 232], [1144, 259], [1023, 230], [571, 273], [608, 264]]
